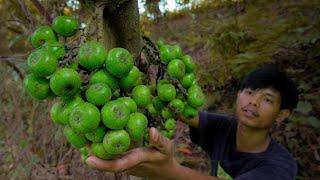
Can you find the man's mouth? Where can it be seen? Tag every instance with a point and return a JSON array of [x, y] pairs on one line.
[[250, 112]]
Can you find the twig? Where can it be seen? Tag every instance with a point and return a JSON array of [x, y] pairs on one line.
[[14, 29], [61, 161], [16, 69], [12, 20], [12, 65], [177, 84], [23, 24], [26, 12], [13, 57], [42, 11], [154, 120]]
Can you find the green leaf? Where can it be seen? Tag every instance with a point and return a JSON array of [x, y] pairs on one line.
[[312, 121], [304, 86], [295, 119], [302, 30], [304, 107], [222, 174]]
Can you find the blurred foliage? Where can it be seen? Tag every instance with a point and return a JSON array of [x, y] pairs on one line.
[[222, 174], [152, 8]]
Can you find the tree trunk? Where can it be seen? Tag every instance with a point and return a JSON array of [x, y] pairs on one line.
[[119, 25]]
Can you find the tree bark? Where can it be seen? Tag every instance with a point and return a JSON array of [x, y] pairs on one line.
[[119, 25]]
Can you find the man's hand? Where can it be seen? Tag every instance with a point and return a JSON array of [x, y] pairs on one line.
[[154, 162]]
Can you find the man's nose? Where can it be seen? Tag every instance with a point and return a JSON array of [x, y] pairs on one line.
[[255, 100]]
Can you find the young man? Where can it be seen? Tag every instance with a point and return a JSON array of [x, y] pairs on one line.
[[242, 144]]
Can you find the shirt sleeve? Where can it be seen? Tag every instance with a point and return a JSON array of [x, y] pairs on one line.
[[212, 131], [269, 172]]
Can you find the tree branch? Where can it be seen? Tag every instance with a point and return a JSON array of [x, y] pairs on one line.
[[15, 68], [13, 57], [26, 12], [121, 28], [8, 60], [42, 11], [113, 5]]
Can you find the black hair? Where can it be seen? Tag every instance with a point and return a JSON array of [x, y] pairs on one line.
[[271, 77]]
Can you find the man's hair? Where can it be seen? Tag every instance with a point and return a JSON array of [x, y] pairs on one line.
[[271, 77]]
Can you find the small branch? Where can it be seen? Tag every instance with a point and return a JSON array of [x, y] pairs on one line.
[[26, 12], [13, 57], [154, 120], [153, 57], [14, 29], [112, 5], [12, 20], [177, 84], [161, 71], [69, 57], [23, 24], [15, 68], [61, 161], [42, 11], [8, 59]]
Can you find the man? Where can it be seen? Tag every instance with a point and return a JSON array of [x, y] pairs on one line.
[[242, 144]]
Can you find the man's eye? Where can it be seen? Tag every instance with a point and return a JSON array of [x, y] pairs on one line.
[[248, 92], [268, 100]]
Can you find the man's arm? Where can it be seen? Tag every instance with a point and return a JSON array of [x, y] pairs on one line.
[[211, 119], [186, 173], [194, 122], [156, 162]]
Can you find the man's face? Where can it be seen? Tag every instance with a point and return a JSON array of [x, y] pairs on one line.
[[258, 108]]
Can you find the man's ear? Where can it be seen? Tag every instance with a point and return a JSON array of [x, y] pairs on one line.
[[283, 114], [238, 93]]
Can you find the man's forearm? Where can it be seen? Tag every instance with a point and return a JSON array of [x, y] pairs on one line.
[[180, 172], [194, 122]]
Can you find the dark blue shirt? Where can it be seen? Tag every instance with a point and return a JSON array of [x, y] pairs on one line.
[[216, 135]]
